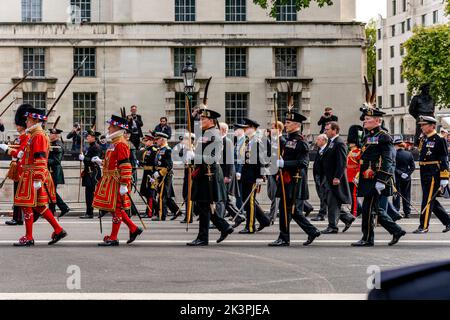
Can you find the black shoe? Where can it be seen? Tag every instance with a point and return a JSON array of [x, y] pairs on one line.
[[362, 243], [245, 231], [64, 212], [329, 231], [420, 231], [406, 216], [238, 221], [14, 223], [24, 242], [197, 243], [225, 234], [87, 216], [318, 218], [57, 237], [398, 218], [348, 225], [447, 229], [109, 243], [397, 237], [134, 235], [261, 227], [279, 243], [308, 212], [311, 239], [175, 216]]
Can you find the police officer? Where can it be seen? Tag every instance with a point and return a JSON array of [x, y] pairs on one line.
[[252, 178], [294, 165], [55, 157], [404, 168], [92, 172], [375, 179], [434, 173], [208, 185]]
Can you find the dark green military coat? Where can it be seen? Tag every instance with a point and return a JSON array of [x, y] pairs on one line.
[[54, 162]]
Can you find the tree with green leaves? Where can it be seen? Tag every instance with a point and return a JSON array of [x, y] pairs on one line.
[[371, 39], [427, 61], [299, 4], [447, 8]]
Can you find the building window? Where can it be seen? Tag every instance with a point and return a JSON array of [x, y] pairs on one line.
[[379, 54], [236, 106], [236, 62], [435, 17], [403, 27], [286, 12], [180, 56], [424, 19], [282, 102], [84, 108], [379, 34], [180, 109], [402, 80], [286, 62], [184, 10], [392, 75], [235, 10], [380, 102], [392, 101], [31, 10], [408, 24], [402, 99], [380, 78], [402, 49], [81, 10], [34, 59], [89, 68], [36, 99], [392, 51], [394, 7], [404, 5], [393, 30]]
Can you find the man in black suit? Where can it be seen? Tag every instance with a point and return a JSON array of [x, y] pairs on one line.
[[334, 179], [164, 127], [404, 168], [135, 125], [321, 143]]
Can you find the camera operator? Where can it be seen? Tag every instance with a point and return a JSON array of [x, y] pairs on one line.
[[135, 124], [327, 117], [75, 135]]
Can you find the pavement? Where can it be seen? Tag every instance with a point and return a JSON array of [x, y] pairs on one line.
[[160, 265]]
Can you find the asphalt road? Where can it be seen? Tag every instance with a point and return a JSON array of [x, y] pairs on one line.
[[160, 262]]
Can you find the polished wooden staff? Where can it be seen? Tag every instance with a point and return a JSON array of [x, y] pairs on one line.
[[15, 86]]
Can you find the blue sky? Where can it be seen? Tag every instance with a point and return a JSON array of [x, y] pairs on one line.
[[367, 9]]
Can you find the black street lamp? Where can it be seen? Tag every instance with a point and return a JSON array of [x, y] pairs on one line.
[[189, 72]]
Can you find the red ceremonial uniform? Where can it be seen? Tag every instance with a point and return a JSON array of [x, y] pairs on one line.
[[353, 167], [117, 170], [34, 168], [16, 168]]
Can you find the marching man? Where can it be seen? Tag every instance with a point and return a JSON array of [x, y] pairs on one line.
[[112, 191], [36, 189]]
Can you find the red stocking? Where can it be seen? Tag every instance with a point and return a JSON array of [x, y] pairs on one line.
[[48, 215]]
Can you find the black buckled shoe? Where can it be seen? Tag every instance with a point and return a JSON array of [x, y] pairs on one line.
[[87, 216], [24, 242], [362, 243], [245, 231], [238, 221], [14, 223], [311, 238], [109, 243], [420, 231], [134, 235], [279, 243], [397, 237], [348, 225], [197, 243], [57, 237], [225, 234]]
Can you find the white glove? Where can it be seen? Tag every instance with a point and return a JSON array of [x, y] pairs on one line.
[[259, 182], [238, 176], [190, 155], [444, 183], [156, 175], [404, 176], [97, 160], [4, 147], [20, 155], [280, 163], [123, 189], [379, 186], [81, 157], [37, 185], [152, 180]]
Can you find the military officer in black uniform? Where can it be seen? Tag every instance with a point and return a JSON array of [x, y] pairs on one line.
[[208, 185], [55, 157], [376, 179], [252, 178], [434, 173], [147, 189], [404, 168], [294, 165], [92, 171]]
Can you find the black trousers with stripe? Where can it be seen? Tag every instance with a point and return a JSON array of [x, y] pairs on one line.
[[430, 185], [252, 208], [298, 217]]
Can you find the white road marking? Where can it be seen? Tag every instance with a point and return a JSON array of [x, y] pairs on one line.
[[179, 296]]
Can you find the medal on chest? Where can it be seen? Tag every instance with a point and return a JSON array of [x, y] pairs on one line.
[[292, 144]]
